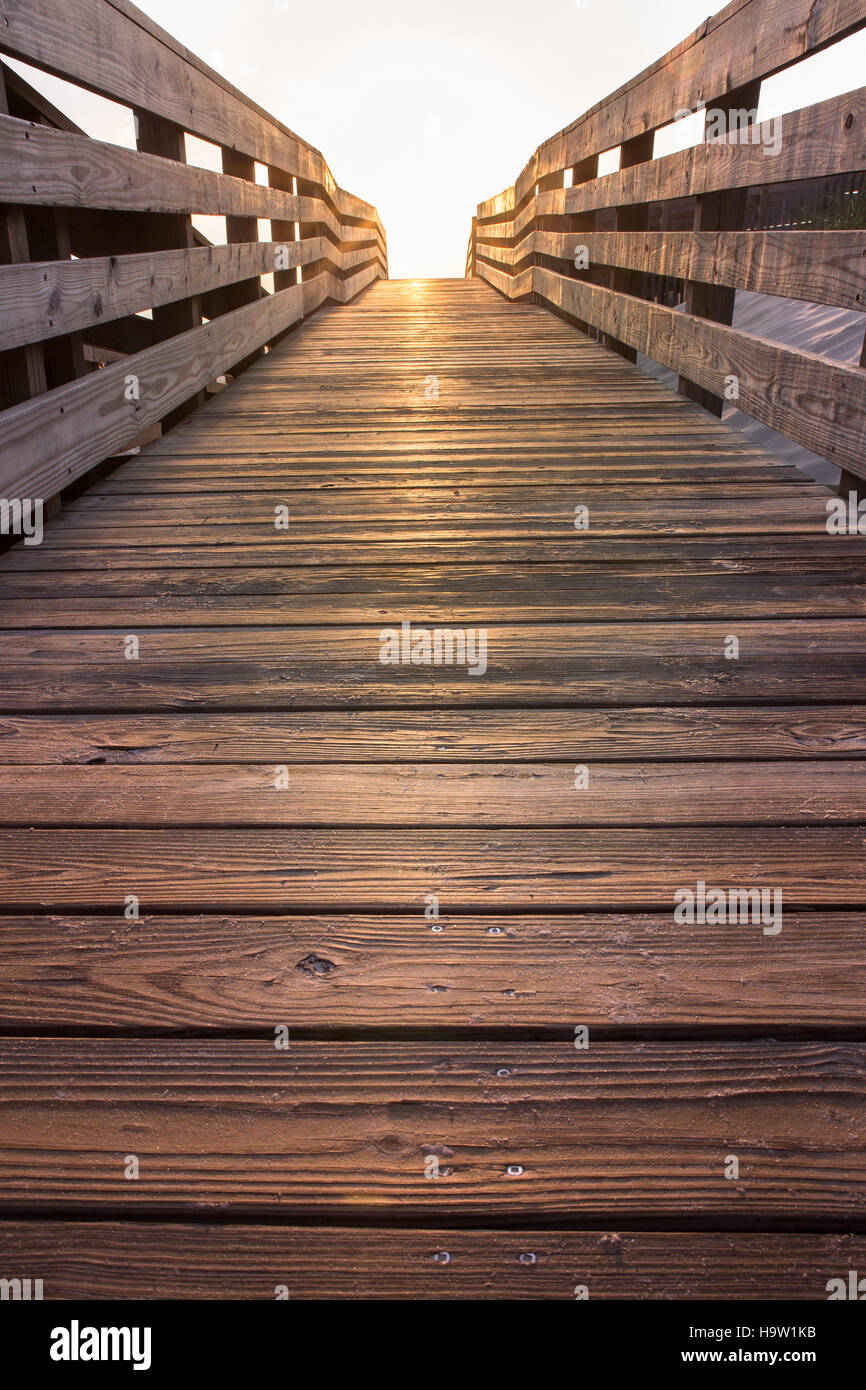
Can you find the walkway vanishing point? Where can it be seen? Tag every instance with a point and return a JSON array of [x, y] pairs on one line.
[[363, 977]]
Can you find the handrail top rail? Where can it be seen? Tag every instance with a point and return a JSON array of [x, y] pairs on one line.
[[710, 63], [81, 42], [144, 21]]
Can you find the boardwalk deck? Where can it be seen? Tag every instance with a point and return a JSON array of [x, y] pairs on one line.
[[280, 806]]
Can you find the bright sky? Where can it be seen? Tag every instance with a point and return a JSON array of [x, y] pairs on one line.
[[425, 109]]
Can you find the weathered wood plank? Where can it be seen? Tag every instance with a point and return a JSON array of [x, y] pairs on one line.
[[86, 1260], [303, 596], [826, 267], [515, 1129], [740, 43], [49, 442], [23, 373], [512, 870], [607, 973], [438, 735], [539, 550], [549, 499], [40, 166], [812, 580], [292, 793], [327, 515], [817, 402], [275, 668], [48, 298], [161, 475]]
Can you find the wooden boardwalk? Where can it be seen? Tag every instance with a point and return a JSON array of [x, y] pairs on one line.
[[196, 723]]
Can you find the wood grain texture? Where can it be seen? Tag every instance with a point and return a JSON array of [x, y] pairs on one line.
[[610, 972], [824, 267], [513, 870], [305, 907], [520, 1129], [328, 594], [819, 403], [741, 42], [293, 793], [46, 299], [337, 667], [624, 464], [156, 1259], [324, 595], [678, 733], [540, 550]]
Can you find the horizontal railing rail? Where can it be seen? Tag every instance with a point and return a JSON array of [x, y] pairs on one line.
[[116, 315], [649, 257]]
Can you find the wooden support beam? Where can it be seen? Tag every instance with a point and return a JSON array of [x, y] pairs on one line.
[[745, 40], [50, 242], [283, 232], [240, 230], [22, 370], [583, 172], [630, 218], [820, 266], [170, 231], [817, 402], [716, 212], [849, 482], [307, 228], [49, 443]]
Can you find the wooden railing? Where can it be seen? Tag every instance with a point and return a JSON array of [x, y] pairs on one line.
[[599, 249], [94, 234]]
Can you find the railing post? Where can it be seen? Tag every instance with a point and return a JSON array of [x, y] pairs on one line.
[[306, 189], [170, 232], [584, 172], [470, 264], [630, 219], [22, 370], [238, 231], [49, 241], [849, 482], [718, 212], [284, 232]]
